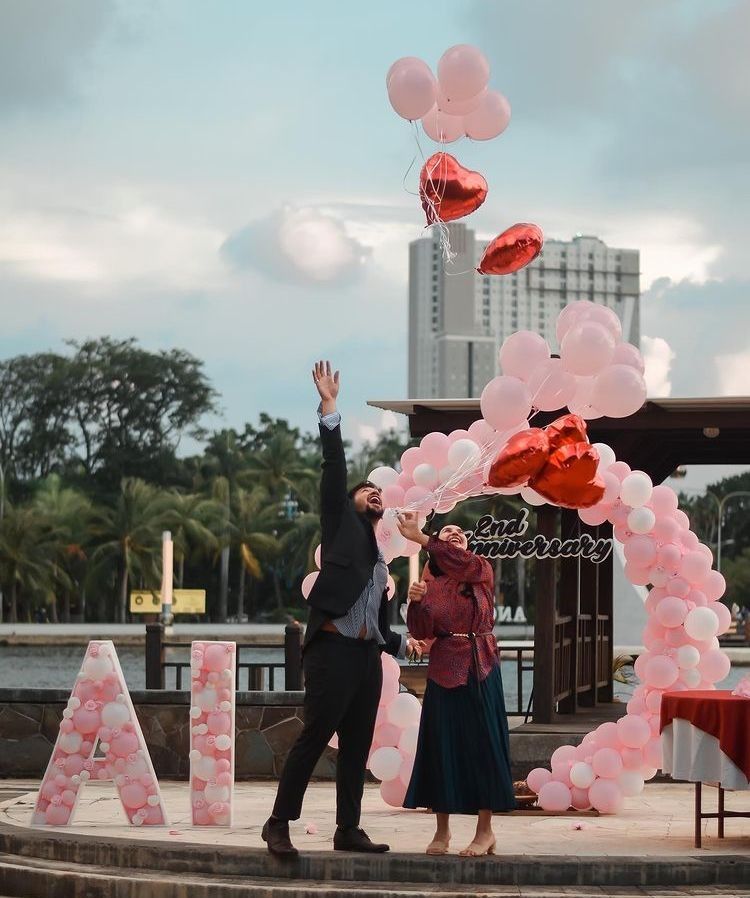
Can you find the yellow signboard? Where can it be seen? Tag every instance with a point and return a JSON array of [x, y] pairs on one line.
[[184, 601]]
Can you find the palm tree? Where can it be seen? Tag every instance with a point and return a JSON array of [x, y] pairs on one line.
[[28, 547], [194, 521], [130, 534], [278, 465], [253, 536], [69, 513]]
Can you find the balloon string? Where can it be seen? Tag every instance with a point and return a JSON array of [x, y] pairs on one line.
[[433, 211]]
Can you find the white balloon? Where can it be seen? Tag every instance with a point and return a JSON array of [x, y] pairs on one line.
[[404, 710], [71, 743], [464, 454], [702, 623], [407, 744], [223, 742], [205, 767], [383, 476], [214, 792], [631, 782], [691, 678], [207, 699], [385, 763], [606, 454], [426, 476], [97, 667], [115, 714], [688, 657], [636, 489], [582, 775], [641, 520]]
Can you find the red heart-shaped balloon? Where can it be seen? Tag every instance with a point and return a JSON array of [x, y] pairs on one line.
[[512, 250], [565, 431], [569, 478], [523, 456], [448, 190]]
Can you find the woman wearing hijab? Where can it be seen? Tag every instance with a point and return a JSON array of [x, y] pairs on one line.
[[462, 763]]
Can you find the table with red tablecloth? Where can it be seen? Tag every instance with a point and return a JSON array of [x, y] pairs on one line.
[[706, 739]]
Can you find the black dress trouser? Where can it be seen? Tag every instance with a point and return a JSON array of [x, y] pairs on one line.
[[343, 682]]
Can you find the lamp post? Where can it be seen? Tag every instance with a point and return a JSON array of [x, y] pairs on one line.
[[722, 503]]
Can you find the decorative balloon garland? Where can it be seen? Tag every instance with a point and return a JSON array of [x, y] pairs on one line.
[[596, 374]]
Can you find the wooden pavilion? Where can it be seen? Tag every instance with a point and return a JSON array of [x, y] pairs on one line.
[[573, 633]]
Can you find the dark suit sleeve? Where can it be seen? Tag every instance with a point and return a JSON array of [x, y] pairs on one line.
[[333, 495], [394, 642]]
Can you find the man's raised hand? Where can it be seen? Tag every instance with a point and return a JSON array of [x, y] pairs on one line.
[[327, 385]]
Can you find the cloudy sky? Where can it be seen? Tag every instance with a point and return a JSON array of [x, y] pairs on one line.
[[228, 177]]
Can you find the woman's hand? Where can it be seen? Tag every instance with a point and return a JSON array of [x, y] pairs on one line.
[[415, 648], [417, 590], [408, 525]]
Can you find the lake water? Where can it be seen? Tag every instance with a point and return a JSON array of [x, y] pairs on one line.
[[50, 666]]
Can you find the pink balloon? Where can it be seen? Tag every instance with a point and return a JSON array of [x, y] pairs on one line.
[[87, 718], [607, 763], [441, 127], [695, 566], [459, 107], [219, 722], [714, 586], [638, 576], [641, 550], [463, 71], [551, 386], [581, 403], [489, 119], [634, 731], [481, 432], [661, 672], [57, 814], [611, 487], [652, 753], [133, 796], [663, 500], [393, 792], [676, 586], [308, 582], [505, 402], [671, 612], [419, 498], [554, 796], [724, 615], [521, 353], [668, 556], [606, 796], [570, 316], [621, 470], [412, 88], [593, 516], [586, 349], [410, 458], [714, 666], [627, 354], [216, 657], [683, 522], [607, 735], [619, 391], [632, 758], [579, 799], [123, 744], [434, 447], [388, 735], [537, 778], [393, 496]]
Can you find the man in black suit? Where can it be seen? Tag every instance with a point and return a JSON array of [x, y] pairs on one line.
[[347, 630]]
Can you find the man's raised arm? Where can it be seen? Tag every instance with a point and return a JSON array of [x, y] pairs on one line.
[[333, 481]]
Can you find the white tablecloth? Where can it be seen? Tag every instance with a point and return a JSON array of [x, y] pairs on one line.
[[693, 755]]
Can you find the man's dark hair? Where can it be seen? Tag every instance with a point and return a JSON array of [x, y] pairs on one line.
[[361, 485]]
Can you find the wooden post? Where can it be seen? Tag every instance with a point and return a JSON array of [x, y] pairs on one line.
[[293, 657], [544, 622], [570, 604], [154, 656]]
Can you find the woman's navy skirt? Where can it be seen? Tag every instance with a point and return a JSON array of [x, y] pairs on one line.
[[462, 765]]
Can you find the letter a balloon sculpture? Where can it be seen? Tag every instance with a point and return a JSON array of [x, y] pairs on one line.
[[597, 374]]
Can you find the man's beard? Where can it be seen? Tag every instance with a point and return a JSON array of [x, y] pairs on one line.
[[374, 514]]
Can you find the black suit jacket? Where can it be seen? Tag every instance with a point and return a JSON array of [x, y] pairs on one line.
[[349, 548]]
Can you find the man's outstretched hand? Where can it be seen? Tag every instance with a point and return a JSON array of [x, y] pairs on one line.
[[327, 385]]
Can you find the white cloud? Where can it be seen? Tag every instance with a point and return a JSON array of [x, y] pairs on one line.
[[658, 356], [733, 371]]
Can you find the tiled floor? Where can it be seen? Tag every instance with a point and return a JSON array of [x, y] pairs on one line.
[[660, 822]]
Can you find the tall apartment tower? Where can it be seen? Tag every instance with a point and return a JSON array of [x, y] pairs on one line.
[[458, 319]]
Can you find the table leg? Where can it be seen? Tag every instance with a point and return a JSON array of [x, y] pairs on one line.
[[698, 815], [721, 813]]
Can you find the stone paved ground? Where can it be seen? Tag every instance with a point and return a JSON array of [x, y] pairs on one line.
[[659, 823]]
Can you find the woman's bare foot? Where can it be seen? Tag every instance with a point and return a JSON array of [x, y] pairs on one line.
[[439, 844], [483, 843]]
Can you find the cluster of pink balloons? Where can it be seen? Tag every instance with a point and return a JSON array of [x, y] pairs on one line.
[[596, 374], [309, 580], [394, 744], [456, 103], [99, 710], [212, 703], [685, 617]]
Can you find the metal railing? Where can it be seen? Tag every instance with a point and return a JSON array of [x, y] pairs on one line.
[[251, 675]]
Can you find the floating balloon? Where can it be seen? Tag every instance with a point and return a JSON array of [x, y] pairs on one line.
[[463, 71], [512, 250], [412, 88], [448, 190], [441, 127], [522, 457], [489, 119]]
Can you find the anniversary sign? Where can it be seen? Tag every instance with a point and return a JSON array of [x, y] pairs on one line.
[[492, 538]]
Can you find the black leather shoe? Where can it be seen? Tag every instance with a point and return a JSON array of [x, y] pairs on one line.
[[352, 838], [275, 834]]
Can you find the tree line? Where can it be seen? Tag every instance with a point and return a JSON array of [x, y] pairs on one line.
[[91, 473]]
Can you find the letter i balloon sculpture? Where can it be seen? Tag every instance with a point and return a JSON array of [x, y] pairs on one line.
[[502, 452], [458, 103]]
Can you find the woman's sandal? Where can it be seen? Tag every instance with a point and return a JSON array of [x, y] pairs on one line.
[[438, 846], [471, 851]]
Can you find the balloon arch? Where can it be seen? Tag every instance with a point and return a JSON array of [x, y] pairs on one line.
[[595, 375]]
